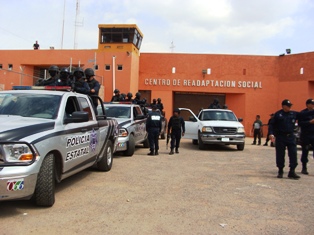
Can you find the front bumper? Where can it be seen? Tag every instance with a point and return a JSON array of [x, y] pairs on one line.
[[222, 139], [122, 144], [17, 182]]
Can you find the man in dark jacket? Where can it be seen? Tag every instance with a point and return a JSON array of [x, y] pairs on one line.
[[153, 128], [79, 84], [93, 85], [176, 128], [307, 134]]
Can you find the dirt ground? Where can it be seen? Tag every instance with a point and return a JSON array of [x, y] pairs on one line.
[[216, 191]]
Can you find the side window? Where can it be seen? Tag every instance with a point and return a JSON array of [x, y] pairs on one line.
[[71, 106], [85, 107], [138, 110]]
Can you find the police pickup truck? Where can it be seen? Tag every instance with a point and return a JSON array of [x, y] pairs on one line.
[[132, 125], [47, 136], [213, 126]]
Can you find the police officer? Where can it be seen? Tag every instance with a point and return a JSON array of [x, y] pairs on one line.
[[153, 103], [257, 129], [282, 126], [160, 106], [153, 128], [129, 97], [52, 80], [64, 77], [116, 97], [93, 84], [306, 123], [215, 104], [141, 102], [176, 128], [79, 85]]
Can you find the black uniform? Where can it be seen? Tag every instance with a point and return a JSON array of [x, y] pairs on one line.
[[153, 128], [307, 135], [52, 81], [177, 126], [94, 84], [117, 98], [215, 105], [80, 86]]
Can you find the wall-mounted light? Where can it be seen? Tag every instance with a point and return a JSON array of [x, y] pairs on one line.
[[173, 69], [288, 51], [301, 70]]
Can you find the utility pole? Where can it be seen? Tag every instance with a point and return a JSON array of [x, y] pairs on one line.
[[77, 23]]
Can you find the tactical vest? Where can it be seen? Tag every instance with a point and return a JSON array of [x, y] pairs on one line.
[[176, 124]]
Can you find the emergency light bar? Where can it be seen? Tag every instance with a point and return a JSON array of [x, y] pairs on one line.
[[49, 88]]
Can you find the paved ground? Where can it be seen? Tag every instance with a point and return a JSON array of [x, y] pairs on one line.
[[217, 191]]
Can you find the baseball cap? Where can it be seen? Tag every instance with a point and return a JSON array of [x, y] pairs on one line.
[[286, 102], [309, 101]]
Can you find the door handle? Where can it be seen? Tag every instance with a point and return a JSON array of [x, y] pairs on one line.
[[83, 130]]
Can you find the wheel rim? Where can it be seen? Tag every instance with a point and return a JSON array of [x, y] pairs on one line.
[[109, 156]]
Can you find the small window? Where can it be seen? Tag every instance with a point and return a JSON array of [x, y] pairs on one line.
[[120, 67], [0, 66], [10, 66], [107, 67], [96, 67]]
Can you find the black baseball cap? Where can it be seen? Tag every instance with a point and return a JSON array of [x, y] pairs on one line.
[[286, 102], [309, 101]]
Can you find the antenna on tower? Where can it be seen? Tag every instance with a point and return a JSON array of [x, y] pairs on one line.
[[63, 25], [77, 22], [172, 47]]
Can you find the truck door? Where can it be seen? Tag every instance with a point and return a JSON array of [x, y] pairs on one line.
[[191, 123], [81, 140]]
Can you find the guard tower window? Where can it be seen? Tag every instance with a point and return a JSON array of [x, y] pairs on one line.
[[120, 67], [10, 66], [107, 67], [121, 35], [0, 66]]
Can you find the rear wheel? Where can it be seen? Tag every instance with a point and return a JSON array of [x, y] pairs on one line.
[[240, 147], [45, 187], [105, 162], [201, 145], [130, 147]]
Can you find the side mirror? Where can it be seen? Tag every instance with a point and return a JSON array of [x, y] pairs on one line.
[[78, 116], [139, 117], [240, 119]]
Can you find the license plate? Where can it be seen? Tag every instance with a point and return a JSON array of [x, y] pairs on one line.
[[224, 139]]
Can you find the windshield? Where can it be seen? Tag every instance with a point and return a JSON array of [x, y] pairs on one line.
[[212, 115], [118, 111], [30, 105]]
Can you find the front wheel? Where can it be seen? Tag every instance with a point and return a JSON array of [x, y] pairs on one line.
[[201, 144], [130, 147], [105, 162], [240, 147], [45, 187]]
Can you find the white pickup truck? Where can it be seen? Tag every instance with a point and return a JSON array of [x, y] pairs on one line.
[[213, 126]]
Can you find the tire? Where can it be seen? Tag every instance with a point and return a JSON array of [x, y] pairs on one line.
[[45, 187], [240, 147], [146, 143], [201, 145], [105, 162], [195, 142], [130, 147]]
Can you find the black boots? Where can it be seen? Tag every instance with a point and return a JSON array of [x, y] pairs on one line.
[[171, 152], [293, 175], [177, 150], [304, 169], [280, 173], [151, 153], [156, 152]]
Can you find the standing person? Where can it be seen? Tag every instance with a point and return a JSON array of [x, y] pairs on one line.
[[153, 128], [215, 104], [80, 86], [160, 106], [176, 129], [64, 77], [36, 45], [154, 103], [282, 127], [116, 97], [306, 122], [257, 129], [267, 137], [94, 86], [52, 80], [129, 97]]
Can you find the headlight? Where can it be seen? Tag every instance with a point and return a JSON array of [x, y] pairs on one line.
[[16, 152], [123, 132], [207, 129], [240, 130]]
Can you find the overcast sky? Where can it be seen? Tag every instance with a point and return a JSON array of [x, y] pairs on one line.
[[263, 27]]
